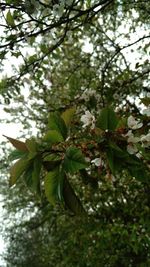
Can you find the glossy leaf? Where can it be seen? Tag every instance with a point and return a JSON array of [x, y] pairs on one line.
[[32, 175], [37, 165], [16, 154], [74, 160], [53, 136], [51, 165], [53, 186], [133, 161], [51, 157], [118, 152], [70, 198], [116, 158], [17, 170], [17, 144], [51, 161], [27, 176], [67, 115], [107, 119], [55, 122], [32, 147]]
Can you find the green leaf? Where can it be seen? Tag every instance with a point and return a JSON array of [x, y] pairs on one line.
[[140, 173], [53, 186], [74, 160], [53, 136], [32, 58], [122, 123], [133, 161], [44, 48], [116, 157], [37, 165], [17, 144], [107, 119], [10, 19], [55, 122], [146, 101], [51, 157], [115, 146], [67, 115], [32, 148], [17, 170], [118, 152], [51, 161], [27, 176], [70, 198], [16, 154], [30, 6], [31, 145], [88, 3]]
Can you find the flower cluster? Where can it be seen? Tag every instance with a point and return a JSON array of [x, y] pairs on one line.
[[137, 137], [132, 139], [87, 94]]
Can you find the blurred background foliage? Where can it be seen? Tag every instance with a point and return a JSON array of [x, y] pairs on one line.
[[58, 51]]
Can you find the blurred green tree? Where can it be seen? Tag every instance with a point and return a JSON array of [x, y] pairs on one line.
[[79, 74]]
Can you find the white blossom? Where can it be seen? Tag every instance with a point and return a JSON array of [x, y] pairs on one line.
[[133, 139], [147, 112], [145, 139], [132, 149], [88, 120], [139, 155], [129, 133], [97, 162], [133, 123]]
